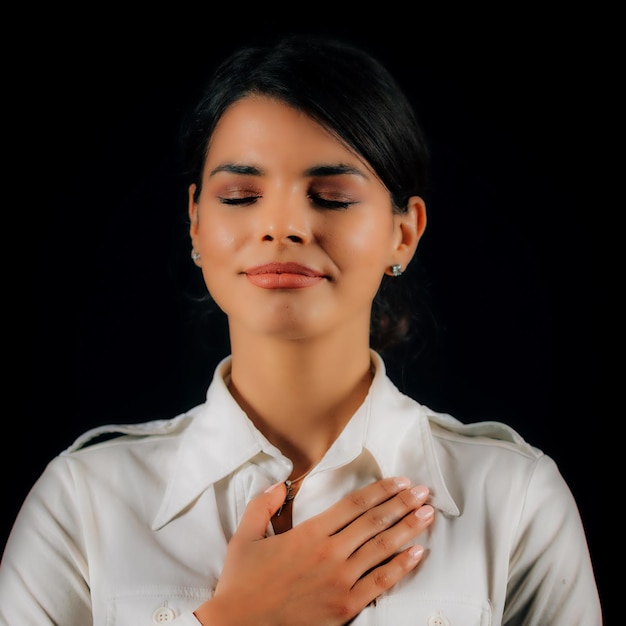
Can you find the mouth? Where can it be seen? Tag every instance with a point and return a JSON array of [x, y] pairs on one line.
[[283, 276], [283, 268]]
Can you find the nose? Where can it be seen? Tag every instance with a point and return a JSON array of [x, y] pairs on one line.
[[292, 237], [285, 220]]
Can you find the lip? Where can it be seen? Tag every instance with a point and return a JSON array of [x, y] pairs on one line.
[[283, 276]]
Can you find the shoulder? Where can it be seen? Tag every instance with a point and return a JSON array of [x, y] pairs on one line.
[[115, 458], [489, 433], [108, 435], [408, 414], [493, 455]]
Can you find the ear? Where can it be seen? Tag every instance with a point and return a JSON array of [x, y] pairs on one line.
[[192, 209], [409, 227]]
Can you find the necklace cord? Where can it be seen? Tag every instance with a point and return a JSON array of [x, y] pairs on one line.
[[290, 496]]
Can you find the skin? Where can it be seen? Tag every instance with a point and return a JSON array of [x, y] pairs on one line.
[[279, 188]]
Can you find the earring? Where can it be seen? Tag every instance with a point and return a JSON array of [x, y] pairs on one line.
[[195, 256], [396, 270]]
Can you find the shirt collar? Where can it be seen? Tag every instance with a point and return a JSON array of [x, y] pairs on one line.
[[378, 426], [206, 452]]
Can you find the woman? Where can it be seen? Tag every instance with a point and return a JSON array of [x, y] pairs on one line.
[[306, 489]]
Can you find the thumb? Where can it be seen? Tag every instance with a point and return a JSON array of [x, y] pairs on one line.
[[259, 512]]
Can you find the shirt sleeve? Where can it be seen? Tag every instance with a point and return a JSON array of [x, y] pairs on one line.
[[44, 574], [551, 579]]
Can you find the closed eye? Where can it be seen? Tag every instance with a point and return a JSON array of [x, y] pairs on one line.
[[325, 203], [241, 201]]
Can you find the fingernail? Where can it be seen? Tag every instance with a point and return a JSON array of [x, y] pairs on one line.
[[402, 482], [425, 512], [415, 552], [420, 491]]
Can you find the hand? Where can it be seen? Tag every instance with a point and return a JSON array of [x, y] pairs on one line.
[[326, 569]]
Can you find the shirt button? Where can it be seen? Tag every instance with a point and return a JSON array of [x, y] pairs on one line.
[[438, 620], [163, 615]]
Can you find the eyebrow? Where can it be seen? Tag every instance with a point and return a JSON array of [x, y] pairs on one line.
[[233, 168], [317, 170], [334, 170]]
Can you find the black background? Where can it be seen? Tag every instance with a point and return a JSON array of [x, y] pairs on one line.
[[509, 112]]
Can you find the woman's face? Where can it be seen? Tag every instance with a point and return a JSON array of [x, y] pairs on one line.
[[294, 230]]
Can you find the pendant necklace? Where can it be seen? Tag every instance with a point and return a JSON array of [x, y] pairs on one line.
[[290, 496]]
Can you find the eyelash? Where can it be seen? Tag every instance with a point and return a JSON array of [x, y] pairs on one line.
[[329, 204], [238, 201], [321, 202]]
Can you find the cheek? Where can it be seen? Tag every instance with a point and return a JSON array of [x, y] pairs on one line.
[[368, 238], [217, 245], [215, 240]]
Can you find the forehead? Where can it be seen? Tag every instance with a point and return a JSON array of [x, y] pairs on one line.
[[260, 129]]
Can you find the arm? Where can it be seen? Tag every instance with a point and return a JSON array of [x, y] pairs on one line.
[[551, 579], [44, 573]]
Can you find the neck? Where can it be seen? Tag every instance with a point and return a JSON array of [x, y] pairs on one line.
[[300, 396]]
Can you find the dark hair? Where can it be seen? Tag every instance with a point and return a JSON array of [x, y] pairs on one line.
[[351, 94]]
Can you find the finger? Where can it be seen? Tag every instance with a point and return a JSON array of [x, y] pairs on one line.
[[259, 512], [383, 516], [350, 507], [386, 544], [385, 576]]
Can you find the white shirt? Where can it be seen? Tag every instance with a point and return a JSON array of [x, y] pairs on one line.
[[133, 530]]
